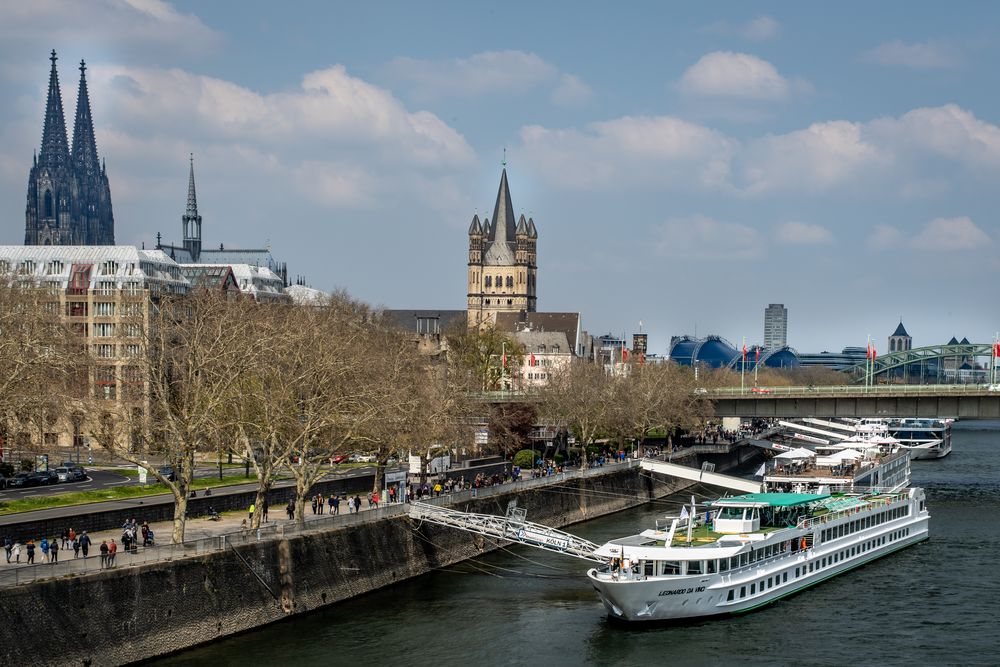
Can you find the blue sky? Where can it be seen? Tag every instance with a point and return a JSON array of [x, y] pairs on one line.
[[685, 165]]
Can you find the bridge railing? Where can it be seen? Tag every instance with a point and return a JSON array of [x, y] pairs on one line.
[[848, 390]]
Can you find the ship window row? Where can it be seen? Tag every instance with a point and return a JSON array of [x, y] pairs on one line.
[[761, 586], [865, 523]]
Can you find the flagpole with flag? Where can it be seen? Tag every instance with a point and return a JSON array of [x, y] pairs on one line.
[[868, 361], [996, 354], [756, 363]]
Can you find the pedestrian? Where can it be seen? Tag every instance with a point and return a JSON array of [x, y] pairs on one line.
[[85, 543], [145, 534], [370, 494], [55, 550], [252, 508], [290, 509], [320, 502], [314, 503], [44, 544], [104, 554], [112, 550], [334, 504], [65, 537], [76, 547], [31, 551], [357, 504], [16, 549], [8, 545], [72, 535], [375, 499], [437, 489], [263, 509]]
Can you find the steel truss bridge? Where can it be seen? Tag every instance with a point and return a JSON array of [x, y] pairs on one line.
[[961, 362]]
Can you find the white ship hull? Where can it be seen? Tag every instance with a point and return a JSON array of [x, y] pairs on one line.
[[637, 598]]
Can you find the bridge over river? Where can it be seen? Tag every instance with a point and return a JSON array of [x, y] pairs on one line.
[[965, 401], [958, 401]]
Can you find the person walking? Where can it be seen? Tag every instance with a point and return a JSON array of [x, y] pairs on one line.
[[290, 509], [357, 503], [44, 544], [104, 554], [65, 538], [16, 550], [375, 499], [252, 508], [112, 550], [76, 547], [320, 501], [85, 543], [8, 546], [263, 509], [54, 547], [314, 503], [334, 504], [30, 550], [72, 536]]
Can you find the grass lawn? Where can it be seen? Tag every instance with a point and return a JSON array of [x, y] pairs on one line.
[[114, 493]]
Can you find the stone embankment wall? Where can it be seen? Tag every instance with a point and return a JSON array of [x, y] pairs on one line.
[[126, 615]]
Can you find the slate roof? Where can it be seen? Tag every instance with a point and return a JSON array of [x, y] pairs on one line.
[[544, 342], [566, 323], [900, 330], [409, 319]]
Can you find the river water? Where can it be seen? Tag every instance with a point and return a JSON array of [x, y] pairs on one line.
[[935, 603]]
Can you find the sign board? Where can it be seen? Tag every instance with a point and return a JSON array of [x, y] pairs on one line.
[[42, 463], [414, 464], [482, 436], [397, 477], [142, 474]]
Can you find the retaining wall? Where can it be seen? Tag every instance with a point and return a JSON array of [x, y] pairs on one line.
[[120, 616]]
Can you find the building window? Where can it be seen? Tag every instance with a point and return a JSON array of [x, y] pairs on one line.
[[48, 204], [489, 281], [104, 330], [499, 281], [510, 281]]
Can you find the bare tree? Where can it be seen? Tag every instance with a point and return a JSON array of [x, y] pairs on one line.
[[579, 396], [194, 350], [487, 355]]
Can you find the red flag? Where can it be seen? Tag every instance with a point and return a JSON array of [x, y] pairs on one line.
[[996, 349], [756, 355], [874, 351], [504, 360], [532, 362], [868, 354], [624, 354], [744, 351]]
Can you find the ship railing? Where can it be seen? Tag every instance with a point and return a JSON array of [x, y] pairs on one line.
[[811, 521]]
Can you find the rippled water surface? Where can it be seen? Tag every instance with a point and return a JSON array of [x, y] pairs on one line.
[[936, 603]]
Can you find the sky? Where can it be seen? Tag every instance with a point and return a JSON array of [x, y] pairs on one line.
[[686, 164]]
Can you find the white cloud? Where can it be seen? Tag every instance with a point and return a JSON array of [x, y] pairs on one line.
[[571, 91], [951, 234], [145, 24], [820, 157], [629, 150], [700, 237], [946, 131], [336, 185], [739, 75], [330, 108], [801, 233], [489, 73], [918, 55]]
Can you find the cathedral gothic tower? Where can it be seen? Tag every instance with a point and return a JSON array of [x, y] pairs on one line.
[[503, 264], [69, 199]]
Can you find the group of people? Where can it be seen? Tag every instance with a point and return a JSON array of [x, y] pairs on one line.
[[130, 535], [49, 548]]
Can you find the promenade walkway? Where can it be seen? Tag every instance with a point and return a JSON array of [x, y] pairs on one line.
[[203, 535]]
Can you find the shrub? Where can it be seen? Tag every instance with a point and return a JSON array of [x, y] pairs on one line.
[[525, 458]]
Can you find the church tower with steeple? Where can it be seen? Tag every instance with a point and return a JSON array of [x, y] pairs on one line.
[[503, 262], [69, 199], [191, 221]]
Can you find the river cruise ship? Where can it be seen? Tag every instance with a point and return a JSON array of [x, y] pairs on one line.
[[740, 553]]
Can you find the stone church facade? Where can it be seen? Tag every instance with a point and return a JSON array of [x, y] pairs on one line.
[[503, 262]]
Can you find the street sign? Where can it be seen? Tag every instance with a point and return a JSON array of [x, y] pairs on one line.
[[142, 474]]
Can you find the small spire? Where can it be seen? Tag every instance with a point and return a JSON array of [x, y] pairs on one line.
[[192, 199], [504, 162]]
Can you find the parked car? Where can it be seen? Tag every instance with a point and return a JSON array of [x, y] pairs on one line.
[[338, 458], [79, 474], [168, 472], [3, 481], [43, 478], [64, 474], [23, 479]]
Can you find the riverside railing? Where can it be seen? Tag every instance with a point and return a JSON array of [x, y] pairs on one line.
[[852, 390], [70, 566]]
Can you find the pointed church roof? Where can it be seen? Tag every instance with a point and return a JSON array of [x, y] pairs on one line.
[[55, 148], [522, 227], [953, 341], [503, 213], [486, 226], [192, 201], [965, 341], [900, 330], [532, 232], [84, 143], [475, 227]]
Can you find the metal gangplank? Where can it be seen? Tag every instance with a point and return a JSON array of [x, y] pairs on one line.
[[701, 475], [513, 527], [816, 431]]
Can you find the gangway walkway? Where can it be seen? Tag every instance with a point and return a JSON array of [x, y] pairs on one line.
[[700, 475], [513, 527]]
